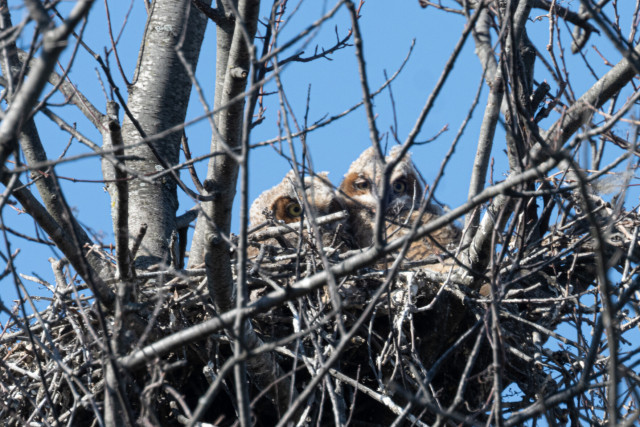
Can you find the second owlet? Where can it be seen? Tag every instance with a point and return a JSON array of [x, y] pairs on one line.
[[283, 203], [361, 192]]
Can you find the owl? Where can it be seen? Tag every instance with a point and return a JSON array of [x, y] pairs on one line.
[[361, 191], [283, 204]]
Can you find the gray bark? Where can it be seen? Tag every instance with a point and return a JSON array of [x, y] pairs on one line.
[[209, 246], [224, 36], [222, 171], [158, 100]]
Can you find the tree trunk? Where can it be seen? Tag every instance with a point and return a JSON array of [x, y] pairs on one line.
[[158, 99]]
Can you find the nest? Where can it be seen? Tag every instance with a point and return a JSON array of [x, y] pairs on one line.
[[412, 344]]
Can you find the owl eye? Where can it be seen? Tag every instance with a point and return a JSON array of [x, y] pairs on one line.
[[361, 184], [294, 209], [399, 187]]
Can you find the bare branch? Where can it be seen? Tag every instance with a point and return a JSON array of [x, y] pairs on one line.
[[54, 42]]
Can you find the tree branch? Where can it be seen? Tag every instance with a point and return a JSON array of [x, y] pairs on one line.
[[54, 42]]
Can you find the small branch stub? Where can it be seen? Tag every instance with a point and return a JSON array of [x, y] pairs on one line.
[[239, 73]]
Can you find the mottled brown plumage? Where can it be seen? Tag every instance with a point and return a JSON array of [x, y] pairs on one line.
[[361, 191], [438, 242]]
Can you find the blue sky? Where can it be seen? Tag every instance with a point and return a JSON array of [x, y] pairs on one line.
[[388, 30]]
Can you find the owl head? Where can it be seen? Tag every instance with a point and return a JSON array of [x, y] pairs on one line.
[[284, 201], [362, 183]]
